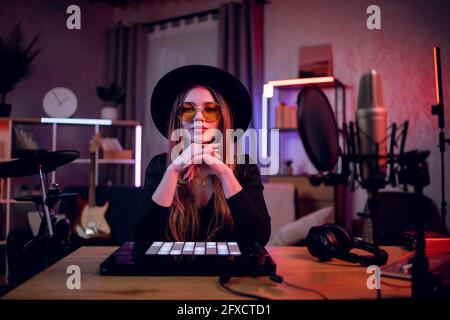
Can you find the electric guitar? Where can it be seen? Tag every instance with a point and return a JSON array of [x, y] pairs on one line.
[[92, 223]]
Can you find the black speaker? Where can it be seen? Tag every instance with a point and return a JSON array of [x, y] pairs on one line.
[[333, 241]]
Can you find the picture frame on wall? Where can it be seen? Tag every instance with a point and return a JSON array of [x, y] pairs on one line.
[[316, 61]]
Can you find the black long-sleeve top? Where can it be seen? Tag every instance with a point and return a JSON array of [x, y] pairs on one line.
[[251, 221]]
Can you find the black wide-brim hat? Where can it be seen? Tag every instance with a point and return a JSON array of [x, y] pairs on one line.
[[182, 78]]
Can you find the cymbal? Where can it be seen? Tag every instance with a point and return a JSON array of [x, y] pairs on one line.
[[28, 166], [50, 197]]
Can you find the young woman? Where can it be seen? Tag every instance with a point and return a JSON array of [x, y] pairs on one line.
[[193, 194]]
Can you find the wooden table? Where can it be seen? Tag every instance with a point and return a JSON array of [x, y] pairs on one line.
[[336, 280]]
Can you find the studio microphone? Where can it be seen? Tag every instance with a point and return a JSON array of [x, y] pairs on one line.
[[371, 121]]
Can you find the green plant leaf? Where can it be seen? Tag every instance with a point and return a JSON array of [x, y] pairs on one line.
[[113, 94], [102, 94], [16, 38], [15, 59]]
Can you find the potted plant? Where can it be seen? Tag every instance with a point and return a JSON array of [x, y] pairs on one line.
[[16, 64], [112, 96]]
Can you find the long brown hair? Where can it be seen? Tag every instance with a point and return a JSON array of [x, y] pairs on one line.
[[183, 223]]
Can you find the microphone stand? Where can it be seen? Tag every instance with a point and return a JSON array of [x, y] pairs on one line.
[[438, 110], [375, 178], [372, 178], [415, 172], [442, 142]]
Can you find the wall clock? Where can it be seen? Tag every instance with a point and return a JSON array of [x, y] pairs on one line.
[[60, 102]]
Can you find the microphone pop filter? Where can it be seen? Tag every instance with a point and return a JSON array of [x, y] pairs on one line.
[[317, 128]]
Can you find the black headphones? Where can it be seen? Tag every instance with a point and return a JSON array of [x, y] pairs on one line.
[[333, 241]]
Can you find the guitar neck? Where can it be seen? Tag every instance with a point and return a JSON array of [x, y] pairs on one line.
[[92, 188]]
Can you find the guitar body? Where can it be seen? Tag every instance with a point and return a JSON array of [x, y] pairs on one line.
[[92, 221], [94, 218]]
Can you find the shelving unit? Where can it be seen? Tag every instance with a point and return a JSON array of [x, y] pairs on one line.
[[283, 88], [6, 137], [310, 198]]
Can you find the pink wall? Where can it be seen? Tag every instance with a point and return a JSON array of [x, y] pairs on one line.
[[74, 59], [401, 51]]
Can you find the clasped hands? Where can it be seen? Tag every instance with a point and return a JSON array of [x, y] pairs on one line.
[[204, 156]]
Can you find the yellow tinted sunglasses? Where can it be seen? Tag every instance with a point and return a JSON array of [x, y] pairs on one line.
[[211, 111]]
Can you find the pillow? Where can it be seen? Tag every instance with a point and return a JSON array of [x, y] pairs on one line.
[[294, 232], [280, 202]]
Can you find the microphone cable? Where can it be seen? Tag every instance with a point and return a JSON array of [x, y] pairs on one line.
[[225, 278], [279, 279]]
